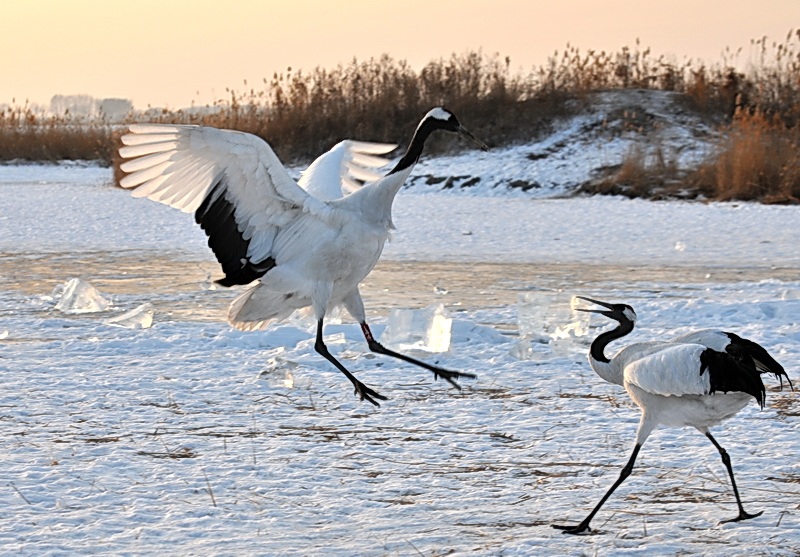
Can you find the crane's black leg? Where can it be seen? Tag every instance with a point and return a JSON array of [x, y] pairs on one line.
[[363, 392], [726, 460], [584, 525], [445, 374]]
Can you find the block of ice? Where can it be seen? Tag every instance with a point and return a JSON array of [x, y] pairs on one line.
[[549, 318], [533, 313], [79, 296], [552, 314], [576, 323], [278, 372], [426, 329], [139, 318]]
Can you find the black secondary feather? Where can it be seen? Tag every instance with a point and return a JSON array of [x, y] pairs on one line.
[[728, 373]]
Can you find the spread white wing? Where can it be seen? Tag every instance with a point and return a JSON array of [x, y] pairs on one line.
[[234, 183], [344, 169]]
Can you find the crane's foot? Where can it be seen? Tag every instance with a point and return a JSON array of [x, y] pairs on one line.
[[438, 372], [365, 393], [742, 516], [450, 376], [582, 528]]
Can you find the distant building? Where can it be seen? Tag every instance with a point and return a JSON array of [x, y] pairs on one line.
[[86, 107], [114, 110], [77, 106]]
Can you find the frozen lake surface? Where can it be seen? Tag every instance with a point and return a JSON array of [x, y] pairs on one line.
[[190, 437]]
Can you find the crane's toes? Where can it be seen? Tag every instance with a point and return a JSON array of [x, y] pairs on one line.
[[576, 529], [365, 393], [451, 376], [742, 516]]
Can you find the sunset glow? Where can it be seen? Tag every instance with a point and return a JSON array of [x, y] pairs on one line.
[[178, 53]]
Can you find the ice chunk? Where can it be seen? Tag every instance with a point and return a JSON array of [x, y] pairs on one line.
[[550, 313], [547, 317], [278, 373], [532, 346], [139, 318], [533, 313], [79, 296], [790, 294], [425, 329], [574, 323]]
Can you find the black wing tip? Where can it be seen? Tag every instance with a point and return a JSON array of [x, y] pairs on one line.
[[226, 281], [247, 273]]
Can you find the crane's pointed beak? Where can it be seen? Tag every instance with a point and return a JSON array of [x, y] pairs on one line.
[[599, 303], [462, 131]]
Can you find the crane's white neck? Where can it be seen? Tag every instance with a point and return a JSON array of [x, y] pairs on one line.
[[375, 200], [610, 370]]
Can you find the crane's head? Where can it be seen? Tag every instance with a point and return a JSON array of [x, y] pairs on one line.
[[623, 313], [443, 119]]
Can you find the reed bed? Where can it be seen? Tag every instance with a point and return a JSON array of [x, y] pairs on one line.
[[28, 136], [304, 113]]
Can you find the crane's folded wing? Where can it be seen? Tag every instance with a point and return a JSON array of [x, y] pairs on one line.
[[673, 371]]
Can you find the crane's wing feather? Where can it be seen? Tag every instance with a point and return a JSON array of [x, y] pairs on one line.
[[738, 347], [344, 168], [672, 371], [711, 338], [232, 181], [694, 369]]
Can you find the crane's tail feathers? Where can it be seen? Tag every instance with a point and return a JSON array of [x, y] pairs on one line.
[[259, 307], [764, 362], [778, 372]]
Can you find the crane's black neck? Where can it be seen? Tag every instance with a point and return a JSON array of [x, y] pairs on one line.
[[598, 347], [412, 154]]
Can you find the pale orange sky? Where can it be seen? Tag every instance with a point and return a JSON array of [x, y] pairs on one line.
[[173, 52]]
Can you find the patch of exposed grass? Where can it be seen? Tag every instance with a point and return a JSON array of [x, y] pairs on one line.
[[183, 452], [645, 171]]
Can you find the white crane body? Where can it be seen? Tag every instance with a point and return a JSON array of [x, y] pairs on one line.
[[306, 243], [699, 379]]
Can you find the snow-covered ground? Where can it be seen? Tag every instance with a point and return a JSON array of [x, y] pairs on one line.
[[190, 438]]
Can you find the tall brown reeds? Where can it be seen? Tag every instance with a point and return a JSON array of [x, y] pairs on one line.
[[28, 136], [303, 113], [759, 159]]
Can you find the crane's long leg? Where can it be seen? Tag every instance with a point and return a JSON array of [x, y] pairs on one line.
[[445, 374], [584, 525], [726, 459], [363, 392]]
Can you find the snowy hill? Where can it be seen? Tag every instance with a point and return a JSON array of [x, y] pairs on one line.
[[579, 150]]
